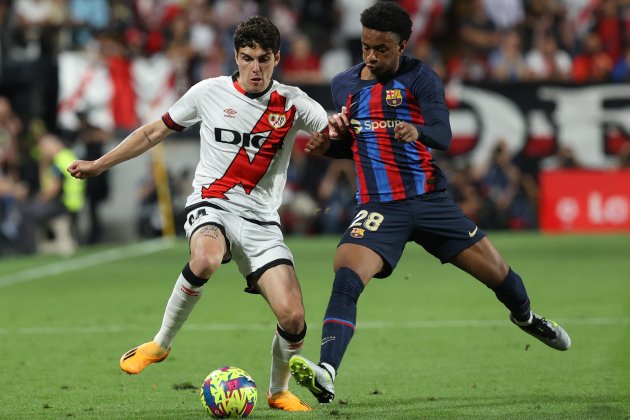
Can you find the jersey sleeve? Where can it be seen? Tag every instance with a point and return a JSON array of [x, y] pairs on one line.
[[337, 92], [311, 114], [184, 112], [429, 91]]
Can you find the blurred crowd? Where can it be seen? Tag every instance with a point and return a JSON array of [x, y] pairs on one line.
[[576, 41]]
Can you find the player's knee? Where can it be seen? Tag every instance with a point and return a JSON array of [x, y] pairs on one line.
[[204, 264], [291, 319]]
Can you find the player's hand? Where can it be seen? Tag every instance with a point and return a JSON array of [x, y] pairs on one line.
[[338, 124], [317, 144], [83, 169], [405, 132]]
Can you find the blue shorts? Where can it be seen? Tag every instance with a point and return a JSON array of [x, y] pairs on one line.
[[431, 220]]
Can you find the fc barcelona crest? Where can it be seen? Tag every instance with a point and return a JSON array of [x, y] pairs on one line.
[[393, 97], [357, 233], [277, 120]]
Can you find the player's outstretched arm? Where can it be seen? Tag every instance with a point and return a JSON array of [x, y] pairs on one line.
[[133, 145]]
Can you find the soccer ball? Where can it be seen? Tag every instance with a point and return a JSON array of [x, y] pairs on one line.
[[228, 392]]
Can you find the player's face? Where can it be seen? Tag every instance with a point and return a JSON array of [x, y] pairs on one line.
[[381, 52], [255, 68]]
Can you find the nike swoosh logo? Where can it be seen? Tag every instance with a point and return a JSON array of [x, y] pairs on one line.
[[473, 233]]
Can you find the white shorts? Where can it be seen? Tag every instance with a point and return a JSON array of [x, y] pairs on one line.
[[254, 247]]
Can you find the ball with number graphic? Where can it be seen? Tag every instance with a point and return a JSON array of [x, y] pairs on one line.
[[229, 392]]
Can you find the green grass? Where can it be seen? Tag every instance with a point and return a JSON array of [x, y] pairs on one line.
[[431, 342]]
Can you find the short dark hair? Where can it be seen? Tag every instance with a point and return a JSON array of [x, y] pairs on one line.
[[388, 16], [257, 30]]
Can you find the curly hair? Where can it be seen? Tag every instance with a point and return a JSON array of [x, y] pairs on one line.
[[388, 16], [257, 30]]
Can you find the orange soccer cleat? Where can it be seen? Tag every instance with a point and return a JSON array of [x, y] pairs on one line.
[[135, 360], [287, 401]]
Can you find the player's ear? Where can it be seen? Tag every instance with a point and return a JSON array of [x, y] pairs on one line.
[[402, 45], [276, 58], [236, 55]]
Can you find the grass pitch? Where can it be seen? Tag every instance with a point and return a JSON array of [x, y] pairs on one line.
[[431, 342]]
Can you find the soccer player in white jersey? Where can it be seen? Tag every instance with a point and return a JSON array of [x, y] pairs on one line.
[[248, 126]]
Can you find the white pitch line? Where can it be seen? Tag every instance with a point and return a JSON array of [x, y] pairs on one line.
[[368, 325], [87, 261]]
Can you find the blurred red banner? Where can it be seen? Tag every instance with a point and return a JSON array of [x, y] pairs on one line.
[[585, 201]]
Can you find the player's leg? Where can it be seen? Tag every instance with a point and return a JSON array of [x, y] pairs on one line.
[[443, 230], [484, 262], [207, 250], [280, 288], [267, 264], [370, 247], [354, 266]]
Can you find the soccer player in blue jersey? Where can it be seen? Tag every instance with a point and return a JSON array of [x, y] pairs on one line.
[[392, 113]]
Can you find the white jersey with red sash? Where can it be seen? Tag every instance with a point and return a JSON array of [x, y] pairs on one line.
[[246, 142]]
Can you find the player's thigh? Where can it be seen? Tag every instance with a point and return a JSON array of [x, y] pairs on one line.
[[209, 245], [209, 240], [281, 289], [258, 249], [441, 227]]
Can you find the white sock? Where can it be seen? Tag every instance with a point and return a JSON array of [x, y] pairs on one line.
[[330, 370], [525, 323], [281, 352], [179, 306]]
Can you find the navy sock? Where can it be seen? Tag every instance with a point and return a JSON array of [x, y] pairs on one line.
[[340, 317], [511, 292]]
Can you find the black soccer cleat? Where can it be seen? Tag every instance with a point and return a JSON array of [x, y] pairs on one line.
[[313, 377], [546, 330]]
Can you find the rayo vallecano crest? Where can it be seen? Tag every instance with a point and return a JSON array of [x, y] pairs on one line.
[[393, 97], [277, 120]]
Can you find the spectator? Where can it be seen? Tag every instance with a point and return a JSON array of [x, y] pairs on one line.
[[59, 192], [335, 60], [609, 28], [88, 17], [623, 156], [282, 13], [320, 20], [478, 36], [423, 50], [301, 65], [336, 196], [11, 190], [548, 63], [506, 14], [499, 184], [621, 71], [592, 64], [93, 140], [478, 32], [38, 21], [463, 189], [564, 158], [10, 128], [507, 63], [428, 17], [209, 60], [349, 26], [180, 51]]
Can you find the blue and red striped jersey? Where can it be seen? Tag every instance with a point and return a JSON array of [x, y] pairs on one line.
[[388, 170]]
